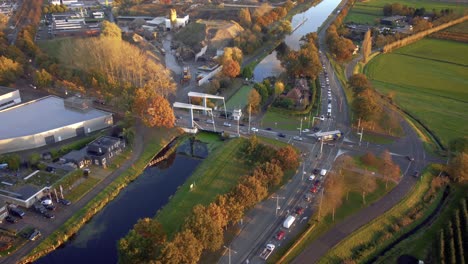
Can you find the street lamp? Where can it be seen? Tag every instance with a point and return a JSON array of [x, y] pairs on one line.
[[229, 253], [360, 135], [277, 203]]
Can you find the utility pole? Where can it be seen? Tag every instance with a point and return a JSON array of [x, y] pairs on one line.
[[300, 128], [229, 253], [360, 135], [320, 205], [321, 147], [250, 111], [277, 203]]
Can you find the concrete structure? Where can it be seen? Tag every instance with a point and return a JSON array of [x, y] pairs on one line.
[[48, 120], [9, 97], [174, 21]]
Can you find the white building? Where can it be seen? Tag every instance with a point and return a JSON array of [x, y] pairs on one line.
[[9, 97]]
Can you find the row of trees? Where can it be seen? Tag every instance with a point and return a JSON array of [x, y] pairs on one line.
[[365, 104], [54, 9], [204, 228], [451, 243], [305, 62], [341, 47]]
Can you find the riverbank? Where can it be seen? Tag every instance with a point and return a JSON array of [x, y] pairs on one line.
[[148, 142]]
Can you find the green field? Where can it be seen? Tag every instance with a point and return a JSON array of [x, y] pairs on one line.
[[276, 119], [239, 99], [217, 174], [429, 79], [369, 12]]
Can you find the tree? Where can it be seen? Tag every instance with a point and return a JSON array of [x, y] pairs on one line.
[[231, 68], [13, 161], [245, 18], [458, 169], [185, 248], [333, 194], [205, 228], [366, 46], [388, 168], [368, 185], [249, 192], [247, 72], [42, 78], [34, 159], [234, 209], [111, 30], [10, 70], [420, 24], [288, 158], [143, 243], [365, 105], [274, 172], [154, 110], [369, 159], [254, 101], [279, 88]]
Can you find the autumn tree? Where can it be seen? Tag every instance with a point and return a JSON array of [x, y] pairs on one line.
[[287, 157], [369, 159], [249, 192], [269, 173], [234, 210], [10, 70], [143, 243], [368, 184], [365, 105], [458, 168], [231, 68], [244, 17], [153, 109], [366, 46], [279, 87], [42, 78], [254, 101], [110, 30], [333, 194], [389, 169], [359, 83], [184, 248], [205, 228]]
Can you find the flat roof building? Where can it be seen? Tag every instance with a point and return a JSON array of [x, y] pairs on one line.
[[48, 120], [9, 97]]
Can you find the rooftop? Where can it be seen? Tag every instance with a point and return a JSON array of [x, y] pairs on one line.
[[5, 90], [41, 115]]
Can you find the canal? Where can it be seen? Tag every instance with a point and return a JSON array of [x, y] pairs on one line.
[[313, 17], [97, 241]]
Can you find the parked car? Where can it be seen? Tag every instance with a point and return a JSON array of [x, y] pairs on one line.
[[281, 135], [209, 121], [316, 171], [196, 119], [46, 201], [17, 212], [227, 124], [311, 177], [34, 235], [48, 215], [254, 129], [64, 202], [268, 128], [298, 138], [50, 207], [280, 235], [305, 130], [322, 117], [11, 219]]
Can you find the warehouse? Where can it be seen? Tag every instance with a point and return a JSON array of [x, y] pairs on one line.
[[48, 120], [9, 97]]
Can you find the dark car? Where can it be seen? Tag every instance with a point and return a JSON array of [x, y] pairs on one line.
[[11, 219], [196, 119], [64, 202], [50, 207], [416, 174], [316, 171], [17, 212], [315, 129], [268, 128], [281, 135], [299, 210], [316, 183], [48, 215]]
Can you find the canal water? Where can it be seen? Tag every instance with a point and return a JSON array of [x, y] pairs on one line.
[[314, 18], [97, 241]]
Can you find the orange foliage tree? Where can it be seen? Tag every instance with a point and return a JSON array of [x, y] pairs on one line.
[[154, 110]]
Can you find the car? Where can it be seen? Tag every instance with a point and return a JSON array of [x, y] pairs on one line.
[[11, 219], [298, 138], [226, 124], [34, 235], [281, 135], [196, 119], [46, 201], [209, 121], [17, 212], [48, 215], [50, 207], [311, 177], [416, 174], [268, 128], [241, 124], [254, 129], [308, 197], [299, 210], [313, 189], [322, 117], [315, 129], [410, 158], [280, 235], [316, 171], [305, 130], [64, 202]]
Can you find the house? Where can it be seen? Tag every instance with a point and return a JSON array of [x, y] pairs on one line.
[[77, 157], [295, 94], [393, 20], [101, 150]]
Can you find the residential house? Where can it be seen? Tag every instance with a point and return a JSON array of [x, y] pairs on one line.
[[103, 149]]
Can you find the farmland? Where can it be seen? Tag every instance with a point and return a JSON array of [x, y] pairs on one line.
[[369, 12], [429, 79]]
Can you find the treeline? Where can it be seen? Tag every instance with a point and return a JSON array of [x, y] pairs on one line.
[[452, 243], [54, 9], [204, 228], [404, 10], [305, 62], [259, 25], [420, 35], [340, 47]]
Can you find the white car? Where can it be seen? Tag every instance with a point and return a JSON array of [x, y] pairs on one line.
[[305, 130], [254, 129], [311, 177], [209, 121], [322, 117], [298, 138], [226, 124]]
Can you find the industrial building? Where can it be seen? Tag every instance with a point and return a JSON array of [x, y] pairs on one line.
[[9, 97], [48, 120]]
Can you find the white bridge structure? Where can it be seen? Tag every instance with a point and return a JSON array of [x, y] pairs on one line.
[[204, 96], [195, 107]]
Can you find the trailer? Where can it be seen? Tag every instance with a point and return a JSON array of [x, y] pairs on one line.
[[267, 251], [326, 136], [289, 221]]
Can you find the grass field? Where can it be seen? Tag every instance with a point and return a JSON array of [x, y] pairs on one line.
[[215, 175], [275, 119], [350, 206], [459, 28], [369, 12], [429, 79], [239, 99], [378, 232]]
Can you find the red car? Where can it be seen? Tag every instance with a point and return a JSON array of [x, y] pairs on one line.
[[313, 189], [299, 211], [280, 235]]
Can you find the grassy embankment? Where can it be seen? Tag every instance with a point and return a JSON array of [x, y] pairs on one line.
[[216, 175], [351, 204], [376, 235], [421, 244], [370, 12], [239, 99], [158, 139], [429, 79]]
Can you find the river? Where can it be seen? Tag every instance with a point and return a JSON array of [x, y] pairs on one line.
[[96, 241], [314, 16]]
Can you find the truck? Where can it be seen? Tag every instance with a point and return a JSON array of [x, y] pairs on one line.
[[267, 251], [289, 221]]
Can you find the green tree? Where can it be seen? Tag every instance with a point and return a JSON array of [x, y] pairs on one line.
[[10, 70], [184, 248], [111, 30], [143, 243], [34, 159], [14, 161], [458, 169], [42, 78], [247, 72], [279, 88]]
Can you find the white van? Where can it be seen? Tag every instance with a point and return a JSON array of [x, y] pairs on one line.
[[323, 172]]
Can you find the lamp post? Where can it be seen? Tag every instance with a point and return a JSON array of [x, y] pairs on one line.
[[277, 203], [229, 253], [360, 135]]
